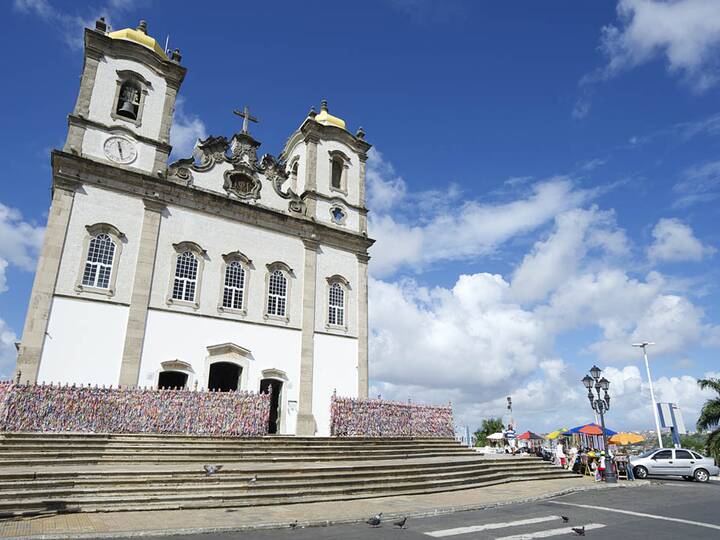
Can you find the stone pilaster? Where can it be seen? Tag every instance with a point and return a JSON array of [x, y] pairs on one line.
[[362, 325], [305, 420], [311, 173], [140, 299], [76, 132], [161, 157], [41, 297], [361, 190]]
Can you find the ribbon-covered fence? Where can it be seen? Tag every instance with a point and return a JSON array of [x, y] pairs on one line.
[[48, 408], [351, 417]]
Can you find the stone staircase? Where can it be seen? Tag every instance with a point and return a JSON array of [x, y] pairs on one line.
[[92, 473]]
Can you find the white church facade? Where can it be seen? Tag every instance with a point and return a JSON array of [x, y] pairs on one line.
[[226, 270]]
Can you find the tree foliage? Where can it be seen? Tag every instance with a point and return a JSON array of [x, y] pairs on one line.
[[489, 426], [710, 417]]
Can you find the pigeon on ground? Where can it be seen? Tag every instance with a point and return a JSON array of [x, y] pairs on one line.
[[565, 519], [253, 479], [400, 522], [211, 469], [375, 520], [580, 531], [293, 524]]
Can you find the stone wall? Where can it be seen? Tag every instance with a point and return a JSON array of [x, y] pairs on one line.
[[381, 418], [47, 408]]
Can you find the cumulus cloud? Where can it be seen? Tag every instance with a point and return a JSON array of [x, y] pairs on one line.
[[675, 242], [553, 260], [185, 131], [20, 241], [685, 33], [468, 229]]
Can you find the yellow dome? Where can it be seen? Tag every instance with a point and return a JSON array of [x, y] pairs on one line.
[[327, 119], [140, 36]]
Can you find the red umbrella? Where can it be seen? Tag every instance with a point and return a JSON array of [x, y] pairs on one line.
[[530, 435]]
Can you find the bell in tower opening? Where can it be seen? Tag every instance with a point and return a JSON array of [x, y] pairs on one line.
[[129, 101]]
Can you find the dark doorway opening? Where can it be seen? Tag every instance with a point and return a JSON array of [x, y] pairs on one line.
[[224, 377], [172, 379], [276, 386]]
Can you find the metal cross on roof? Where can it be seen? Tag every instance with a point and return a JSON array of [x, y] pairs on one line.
[[245, 115]]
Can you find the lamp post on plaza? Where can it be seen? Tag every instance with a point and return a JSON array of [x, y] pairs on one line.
[[644, 345], [601, 404]]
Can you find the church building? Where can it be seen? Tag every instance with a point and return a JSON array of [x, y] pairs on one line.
[[226, 270]]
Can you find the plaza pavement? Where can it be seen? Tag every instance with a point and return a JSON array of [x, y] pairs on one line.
[[172, 522]]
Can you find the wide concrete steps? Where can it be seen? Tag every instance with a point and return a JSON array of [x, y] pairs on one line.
[[61, 474]]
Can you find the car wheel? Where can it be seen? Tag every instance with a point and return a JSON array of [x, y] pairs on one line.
[[689, 478], [640, 472], [701, 475]]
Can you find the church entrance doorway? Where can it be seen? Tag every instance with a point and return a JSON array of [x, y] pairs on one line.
[[275, 387], [224, 376], [172, 379]]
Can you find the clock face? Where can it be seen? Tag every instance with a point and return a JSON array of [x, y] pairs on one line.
[[120, 150]]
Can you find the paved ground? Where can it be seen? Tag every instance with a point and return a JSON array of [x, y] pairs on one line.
[[663, 510]]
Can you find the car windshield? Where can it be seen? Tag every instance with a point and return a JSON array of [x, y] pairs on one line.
[[648, 453]]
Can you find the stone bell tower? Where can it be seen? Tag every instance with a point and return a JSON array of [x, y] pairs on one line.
[[126, 101]]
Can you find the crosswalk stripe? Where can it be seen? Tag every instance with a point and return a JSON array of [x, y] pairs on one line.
[[550, 532], [490, 526], [641, 514]]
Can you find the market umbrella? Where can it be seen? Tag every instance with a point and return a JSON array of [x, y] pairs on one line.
[[529, 435], [626, 438], [594, 429], [555, 434]]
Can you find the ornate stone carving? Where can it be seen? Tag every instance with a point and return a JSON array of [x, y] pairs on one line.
[[181, 170], [276, 174], [242, 182], [244, 149]]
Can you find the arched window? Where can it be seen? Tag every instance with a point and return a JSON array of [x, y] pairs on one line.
[[186, 273], [128, 103], [336, 305], [99, 262], [98, 267], [337, 172], [339, 166], [277, 294], [234, 289]]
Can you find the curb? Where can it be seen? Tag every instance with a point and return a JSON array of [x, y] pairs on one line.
[[322, 523]]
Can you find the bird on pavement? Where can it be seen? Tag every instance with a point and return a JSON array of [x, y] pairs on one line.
[[253, 479], [580, 531], [375, 520], [211, 469], [400, 522], [293, 524], [565, 519]]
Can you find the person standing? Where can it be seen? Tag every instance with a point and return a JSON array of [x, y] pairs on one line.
[[560, 454], [511, 438]]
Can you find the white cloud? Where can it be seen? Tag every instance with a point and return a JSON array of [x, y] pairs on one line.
[[554, 260], [468, 229], [185, 131], [7, 350], [675, 241], [71, 25], [685, 33], [700, 183], [385, 187], [20, 241]]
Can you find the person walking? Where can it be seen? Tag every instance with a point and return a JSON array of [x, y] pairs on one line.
[[511, 438]]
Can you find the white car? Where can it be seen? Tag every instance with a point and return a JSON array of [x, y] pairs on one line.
[[674, 462]]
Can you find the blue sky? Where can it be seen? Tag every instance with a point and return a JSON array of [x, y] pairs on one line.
[[544, 184]]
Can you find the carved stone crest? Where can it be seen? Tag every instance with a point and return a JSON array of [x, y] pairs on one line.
[[242, 182]]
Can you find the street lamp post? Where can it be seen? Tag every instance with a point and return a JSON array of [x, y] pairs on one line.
[[644, 345], [601, 404]]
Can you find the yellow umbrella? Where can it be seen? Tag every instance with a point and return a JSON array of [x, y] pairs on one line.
[[555, 434], [626, 438]]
